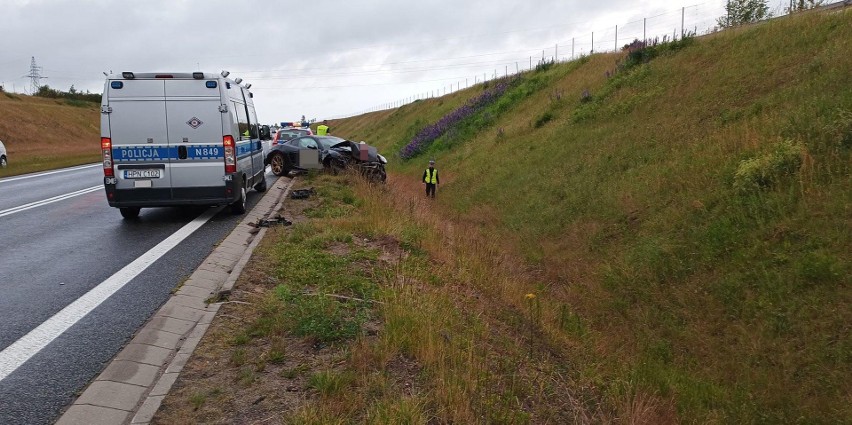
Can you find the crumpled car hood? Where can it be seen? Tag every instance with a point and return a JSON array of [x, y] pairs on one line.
[[353, 149]]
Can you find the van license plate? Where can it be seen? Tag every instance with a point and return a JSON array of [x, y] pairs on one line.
[[141, 174]]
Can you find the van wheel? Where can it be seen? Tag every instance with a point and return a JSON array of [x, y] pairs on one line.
[[261, 186], [130, 213], [239, 206], [279, 164]]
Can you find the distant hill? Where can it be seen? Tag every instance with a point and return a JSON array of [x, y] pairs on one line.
[[684, 210], [42, 133]]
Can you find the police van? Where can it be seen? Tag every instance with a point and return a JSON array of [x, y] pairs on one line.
[[173, 139]]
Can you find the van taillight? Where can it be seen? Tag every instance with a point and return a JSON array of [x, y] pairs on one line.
[[106, 149], [230, 155]]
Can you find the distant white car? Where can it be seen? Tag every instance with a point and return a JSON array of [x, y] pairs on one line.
[[3, 160]]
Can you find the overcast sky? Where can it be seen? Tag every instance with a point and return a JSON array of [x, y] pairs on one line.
[[322, 58]]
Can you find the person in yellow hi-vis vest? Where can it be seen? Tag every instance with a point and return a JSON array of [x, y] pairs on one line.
[[322, 129], [430, 177]]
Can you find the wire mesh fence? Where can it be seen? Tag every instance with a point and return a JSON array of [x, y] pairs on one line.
[[687, 21]]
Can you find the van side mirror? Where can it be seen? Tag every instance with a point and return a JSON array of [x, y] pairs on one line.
[[264, 133]]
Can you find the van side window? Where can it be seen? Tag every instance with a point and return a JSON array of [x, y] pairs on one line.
[[255, 130], [241, 119]]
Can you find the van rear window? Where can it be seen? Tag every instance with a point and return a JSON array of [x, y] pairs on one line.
[[241, 118]]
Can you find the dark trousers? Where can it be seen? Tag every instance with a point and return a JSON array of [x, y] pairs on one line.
[[430, 189]]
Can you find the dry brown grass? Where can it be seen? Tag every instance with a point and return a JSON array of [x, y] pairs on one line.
[[232, 378], [513, 348], [456, 340], [42, 134]]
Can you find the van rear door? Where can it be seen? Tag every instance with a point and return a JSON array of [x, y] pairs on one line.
[[195, 129], [137, 127]]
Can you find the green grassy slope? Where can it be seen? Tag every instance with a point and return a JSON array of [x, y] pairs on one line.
[[694, 213], [43, 134]]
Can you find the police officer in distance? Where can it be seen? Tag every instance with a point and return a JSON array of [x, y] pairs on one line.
[[430, 177]]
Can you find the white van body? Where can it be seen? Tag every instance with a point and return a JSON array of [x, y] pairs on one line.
[[172, 139]]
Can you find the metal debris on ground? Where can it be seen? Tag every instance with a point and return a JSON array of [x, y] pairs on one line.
[[267, 222], [302, 193]]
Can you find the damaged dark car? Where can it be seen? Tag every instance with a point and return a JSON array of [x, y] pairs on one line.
[[329, 153]]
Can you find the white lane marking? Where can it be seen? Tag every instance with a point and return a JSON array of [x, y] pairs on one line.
[[30, 344], [29, 176], [57, 198]]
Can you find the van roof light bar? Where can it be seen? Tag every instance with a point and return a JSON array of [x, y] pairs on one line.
[[225, 74], [198, 75], [238, 80], [127, 75]]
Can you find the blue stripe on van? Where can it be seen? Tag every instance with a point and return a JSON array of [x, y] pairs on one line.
[[203, 152], [142, 153], [244, 148], [165, 153]]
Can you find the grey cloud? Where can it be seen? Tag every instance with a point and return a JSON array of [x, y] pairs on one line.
[[275, 44]]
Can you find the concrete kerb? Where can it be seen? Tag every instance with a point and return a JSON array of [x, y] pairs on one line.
[[186, 312]]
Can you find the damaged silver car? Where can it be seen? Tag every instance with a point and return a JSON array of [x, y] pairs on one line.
[[330, 153]]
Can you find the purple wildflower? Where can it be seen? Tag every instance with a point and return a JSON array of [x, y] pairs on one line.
[[432, 132]]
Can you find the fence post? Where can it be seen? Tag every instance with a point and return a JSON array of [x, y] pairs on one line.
[[616, 38], [644, 36], [556, 53], [572, 48], [593, 44], [682, 14], [530, 62]]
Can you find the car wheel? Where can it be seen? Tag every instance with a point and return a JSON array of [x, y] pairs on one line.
[[239, 206], [130, 213], [261, 185], [279, 164], [3, 162]]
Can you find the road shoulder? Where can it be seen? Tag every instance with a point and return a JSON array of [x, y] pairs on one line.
[[132, 386]]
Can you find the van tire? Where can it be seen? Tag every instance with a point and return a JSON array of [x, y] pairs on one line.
[[239, 206], [261, 185], [130, 213]]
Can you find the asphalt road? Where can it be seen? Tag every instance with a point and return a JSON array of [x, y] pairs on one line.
[[53, 253]]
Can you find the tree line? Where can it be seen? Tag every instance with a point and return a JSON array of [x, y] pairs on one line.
[[738, 12], [72, 93]]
